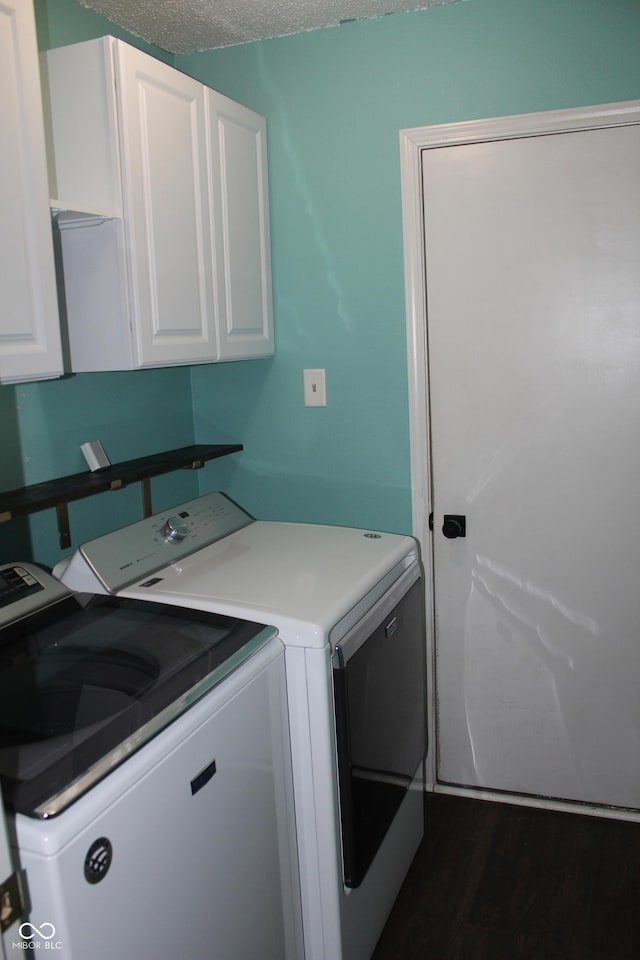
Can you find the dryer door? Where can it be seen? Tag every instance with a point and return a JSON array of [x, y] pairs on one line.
[[380, 707]]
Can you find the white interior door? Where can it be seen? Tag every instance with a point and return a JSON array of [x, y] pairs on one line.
[[532, 250]]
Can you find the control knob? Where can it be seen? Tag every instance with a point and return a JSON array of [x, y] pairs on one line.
[[174, 530]]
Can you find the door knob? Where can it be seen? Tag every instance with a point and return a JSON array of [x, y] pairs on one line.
[[455, 525]]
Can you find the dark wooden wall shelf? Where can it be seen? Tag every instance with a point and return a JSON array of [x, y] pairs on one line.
[[58, 493]]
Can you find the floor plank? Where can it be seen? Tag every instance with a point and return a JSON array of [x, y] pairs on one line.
[[493, 881]]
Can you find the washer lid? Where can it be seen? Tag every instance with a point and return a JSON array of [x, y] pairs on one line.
[[89, 680]]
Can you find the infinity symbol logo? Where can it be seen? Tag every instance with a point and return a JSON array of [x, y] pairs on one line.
[[42, 932]]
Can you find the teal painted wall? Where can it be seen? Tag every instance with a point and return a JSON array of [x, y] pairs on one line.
[[335, 100], [133, 414]]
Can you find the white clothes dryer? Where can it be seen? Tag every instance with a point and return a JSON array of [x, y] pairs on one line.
[[348, 605]]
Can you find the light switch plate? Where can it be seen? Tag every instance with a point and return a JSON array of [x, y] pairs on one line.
[[315, 392]]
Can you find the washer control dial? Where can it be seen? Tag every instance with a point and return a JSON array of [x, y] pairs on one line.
[[174, 530]]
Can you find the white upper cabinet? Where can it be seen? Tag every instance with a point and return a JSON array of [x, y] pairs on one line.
[[29, 323], [238, 188], [172, 277], [163, 157]]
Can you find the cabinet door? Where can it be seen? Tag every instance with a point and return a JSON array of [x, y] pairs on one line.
[[29, 323], [240, 209], [167, 232]]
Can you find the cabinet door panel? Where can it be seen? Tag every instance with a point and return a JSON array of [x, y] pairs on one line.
[[241, 229], [164, 156], [29, 324]]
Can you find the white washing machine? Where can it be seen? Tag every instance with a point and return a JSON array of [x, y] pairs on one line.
[[348, 606], [145, 765]]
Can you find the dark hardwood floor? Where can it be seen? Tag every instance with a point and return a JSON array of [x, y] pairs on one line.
[[499, 882]]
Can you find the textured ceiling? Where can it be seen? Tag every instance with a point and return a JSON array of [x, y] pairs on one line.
[[182, 26]]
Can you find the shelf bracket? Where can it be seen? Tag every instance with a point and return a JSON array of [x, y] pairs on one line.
[[64, 531], [147, 509]]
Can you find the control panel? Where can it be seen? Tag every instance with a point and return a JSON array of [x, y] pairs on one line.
[[25, 588], [15, 584], [138, 550]]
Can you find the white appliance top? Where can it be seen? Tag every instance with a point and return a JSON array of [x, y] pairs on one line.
[[301, 578]]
